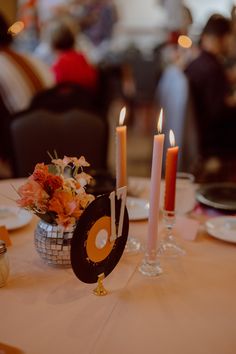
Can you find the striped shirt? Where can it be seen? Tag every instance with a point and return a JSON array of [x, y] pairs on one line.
[[21, 77]]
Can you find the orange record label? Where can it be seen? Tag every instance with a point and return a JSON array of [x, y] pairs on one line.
[[98, 244]]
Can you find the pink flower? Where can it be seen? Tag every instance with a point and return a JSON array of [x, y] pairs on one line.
[[33, 196], [85, 199], [83, 178], [60, 163], [81, 162]]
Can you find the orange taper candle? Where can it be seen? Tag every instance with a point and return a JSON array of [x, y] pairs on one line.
[[170, 176], [121, 154]]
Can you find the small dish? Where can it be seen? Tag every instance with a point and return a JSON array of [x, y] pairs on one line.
[[220, 196], [138, 208], [13, 217], [222, 228]]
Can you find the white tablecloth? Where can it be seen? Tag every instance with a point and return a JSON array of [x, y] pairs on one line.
[[190, 308]]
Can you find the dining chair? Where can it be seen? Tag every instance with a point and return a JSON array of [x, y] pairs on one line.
[[72, 133], [5, 140], [66, 96]]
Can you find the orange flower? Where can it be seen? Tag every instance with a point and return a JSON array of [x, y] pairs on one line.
[[40, 173], [52, 183], [66, 206], [60, 192]]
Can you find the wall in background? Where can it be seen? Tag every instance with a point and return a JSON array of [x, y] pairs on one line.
[[202, 9], [150, 12]]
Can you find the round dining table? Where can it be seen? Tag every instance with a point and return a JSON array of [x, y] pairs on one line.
[[189, 309]]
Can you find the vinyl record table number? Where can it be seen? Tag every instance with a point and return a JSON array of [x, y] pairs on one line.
[[100, 238]]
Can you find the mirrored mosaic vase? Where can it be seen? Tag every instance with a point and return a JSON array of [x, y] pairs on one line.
[[53, 243]]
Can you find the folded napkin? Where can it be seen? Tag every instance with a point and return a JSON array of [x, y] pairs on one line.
[[186, 228]]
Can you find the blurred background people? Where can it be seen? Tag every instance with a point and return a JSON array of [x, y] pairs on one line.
[[233, 21], [99, 18], [138, 48], [230, 70], [172, 92], [21, 75], [70, 65], [21, 78], [215, 111], [95, 21], [28, 14]]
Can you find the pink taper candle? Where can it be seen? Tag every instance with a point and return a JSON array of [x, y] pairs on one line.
[[121, 155], [155, 188]]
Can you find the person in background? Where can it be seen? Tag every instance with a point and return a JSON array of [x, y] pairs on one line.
[[99, 19], [44, 50], [70, 65], [233, 21], [27, 13], [21, 75], [215, 110], [230, 70]]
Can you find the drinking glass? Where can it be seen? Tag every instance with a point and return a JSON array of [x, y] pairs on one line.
[[185, 193]]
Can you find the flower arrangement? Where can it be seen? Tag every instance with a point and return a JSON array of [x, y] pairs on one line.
[[56, 192]]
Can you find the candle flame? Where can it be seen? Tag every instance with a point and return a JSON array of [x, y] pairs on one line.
[[122, 116], [16, 28], [172, 138], [160, 121]]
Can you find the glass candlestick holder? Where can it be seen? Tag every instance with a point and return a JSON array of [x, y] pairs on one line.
[[133, 245], [150, 265], [168, 244]]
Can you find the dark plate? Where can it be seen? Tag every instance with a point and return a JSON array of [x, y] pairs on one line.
[[103, 182], [218, 195]]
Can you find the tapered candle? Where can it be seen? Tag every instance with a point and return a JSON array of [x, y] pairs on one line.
[[170, 175], [153, 219], [121, 154]]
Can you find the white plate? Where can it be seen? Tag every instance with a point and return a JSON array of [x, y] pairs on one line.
[[14, 217], [222, 227], [138, 209]]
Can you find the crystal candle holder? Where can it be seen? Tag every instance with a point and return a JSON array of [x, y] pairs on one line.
[[133, 245], [168, 244], [150, 265]]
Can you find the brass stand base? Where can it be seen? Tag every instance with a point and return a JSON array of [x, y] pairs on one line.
[[100, 290]]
